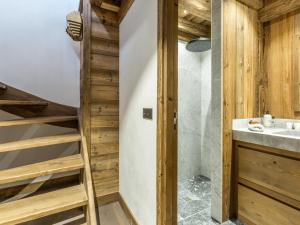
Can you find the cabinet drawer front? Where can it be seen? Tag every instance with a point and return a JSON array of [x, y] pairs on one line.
[[277, 173], [259, 209]]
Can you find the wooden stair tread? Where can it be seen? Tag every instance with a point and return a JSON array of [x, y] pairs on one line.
[[22, 103], [39, 142], [37, 120], [59, 165], [42, 205]]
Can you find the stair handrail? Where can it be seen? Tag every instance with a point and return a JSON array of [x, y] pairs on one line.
[[87, 178]]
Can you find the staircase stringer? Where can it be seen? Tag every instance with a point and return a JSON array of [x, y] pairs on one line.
[[87, 180]]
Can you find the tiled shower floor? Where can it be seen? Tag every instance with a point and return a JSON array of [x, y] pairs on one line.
[[194, 201]]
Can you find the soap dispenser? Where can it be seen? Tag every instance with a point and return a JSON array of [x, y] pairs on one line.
[[267, 120]]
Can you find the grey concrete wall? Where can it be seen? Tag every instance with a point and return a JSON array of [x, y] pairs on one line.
[[216, 113], [194, 102], [206, 136], [189, 113]]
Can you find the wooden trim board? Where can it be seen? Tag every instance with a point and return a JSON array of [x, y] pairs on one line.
[[107, 199], [127, 211], [166, 109], [117, 197], [85, 72]]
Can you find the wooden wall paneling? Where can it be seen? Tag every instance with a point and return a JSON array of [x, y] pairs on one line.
[[104, 102], [276, 9], [105, 48], [247, 70], [104, 62], [296, 63], [260, 81], [240, 65], [255, 4], [104, 17], [106, 32], [104, 94], [229, 72], [281, 71], [105, 169], [241, 72], [105, 122], [279, 66], [106, 136], [105, 78], [105, 109], [252, 64]]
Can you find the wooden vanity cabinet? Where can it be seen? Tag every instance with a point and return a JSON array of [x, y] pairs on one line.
[[266, 185]]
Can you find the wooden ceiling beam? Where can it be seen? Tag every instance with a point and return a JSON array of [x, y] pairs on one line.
[[110, 5], [97, 3], [106, 4], [255, 4], [182, 36], [199, 8], [278, 8], [125, 6], [195, 29]]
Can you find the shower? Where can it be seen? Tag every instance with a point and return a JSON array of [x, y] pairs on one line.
[[199, 45]]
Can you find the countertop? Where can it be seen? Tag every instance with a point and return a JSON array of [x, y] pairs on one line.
[[269, 136]]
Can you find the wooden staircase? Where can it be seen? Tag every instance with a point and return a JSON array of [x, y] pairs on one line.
[[60, 200]]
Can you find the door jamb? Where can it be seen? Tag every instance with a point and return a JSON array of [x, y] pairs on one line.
[[167, 112]]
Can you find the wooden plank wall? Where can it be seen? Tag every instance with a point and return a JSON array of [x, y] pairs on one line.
[[261, 72], [104, 101], [241, 71], [282, 70]]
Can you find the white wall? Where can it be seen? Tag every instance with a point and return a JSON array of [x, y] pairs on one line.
[[36, 54], [138, 90]]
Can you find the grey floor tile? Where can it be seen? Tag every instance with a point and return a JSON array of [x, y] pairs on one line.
[[194, 202]]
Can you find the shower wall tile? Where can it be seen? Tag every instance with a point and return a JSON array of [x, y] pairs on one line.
[[205, 59], [189, 113], [194, 105]]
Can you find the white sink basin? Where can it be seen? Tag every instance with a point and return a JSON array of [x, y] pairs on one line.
[[295, 133]]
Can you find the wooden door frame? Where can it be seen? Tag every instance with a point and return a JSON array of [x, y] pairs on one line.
[[166, 110]]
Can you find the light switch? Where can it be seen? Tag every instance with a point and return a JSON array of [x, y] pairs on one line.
[[147, 113]]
